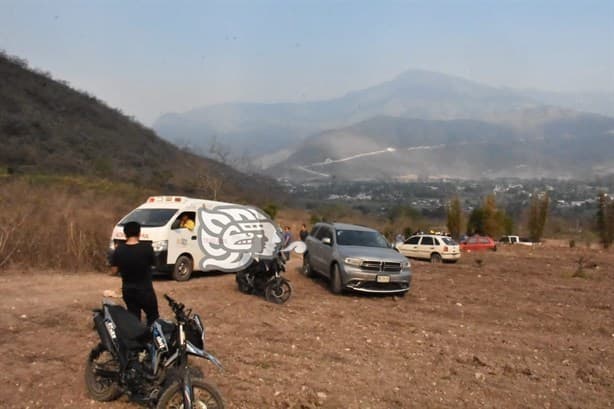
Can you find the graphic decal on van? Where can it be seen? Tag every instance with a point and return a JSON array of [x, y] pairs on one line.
[[231, 236]]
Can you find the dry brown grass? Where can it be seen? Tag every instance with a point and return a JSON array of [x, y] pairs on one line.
[[57, 225]]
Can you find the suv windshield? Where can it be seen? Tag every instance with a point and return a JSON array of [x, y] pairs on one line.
[[149, 217], [360, 238]]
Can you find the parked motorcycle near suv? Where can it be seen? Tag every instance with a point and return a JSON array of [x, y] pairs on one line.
[[264, 277], [150, 365]]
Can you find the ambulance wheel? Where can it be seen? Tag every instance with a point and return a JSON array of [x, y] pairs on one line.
[[183, 268]]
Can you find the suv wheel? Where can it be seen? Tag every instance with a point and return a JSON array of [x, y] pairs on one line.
[[435, 258], [335, 280]]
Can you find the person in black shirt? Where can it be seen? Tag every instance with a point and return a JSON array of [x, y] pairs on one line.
[[132, 260], [303, 233]]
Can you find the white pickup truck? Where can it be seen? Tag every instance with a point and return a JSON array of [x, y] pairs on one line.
[[515, 240]]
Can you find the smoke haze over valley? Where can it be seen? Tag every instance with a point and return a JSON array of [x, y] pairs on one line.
[[420, 124]]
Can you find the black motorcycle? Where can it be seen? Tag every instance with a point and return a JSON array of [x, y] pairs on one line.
[[263, 277], [150, 365]]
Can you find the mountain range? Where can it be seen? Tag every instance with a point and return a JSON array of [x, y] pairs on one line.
[[260, 128], [409, 149], [425, 123]]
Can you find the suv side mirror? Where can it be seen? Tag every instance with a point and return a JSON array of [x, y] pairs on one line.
[[327, 241]]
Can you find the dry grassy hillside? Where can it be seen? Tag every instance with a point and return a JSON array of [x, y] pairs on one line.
[[46, 127]]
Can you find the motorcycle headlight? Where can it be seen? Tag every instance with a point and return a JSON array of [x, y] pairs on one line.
[[112, 245], [356, 262], [161, 245]]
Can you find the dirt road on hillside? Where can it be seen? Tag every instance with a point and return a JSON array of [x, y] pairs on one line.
[[513, 330]]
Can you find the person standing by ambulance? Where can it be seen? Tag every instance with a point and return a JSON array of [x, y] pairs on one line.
[[287, 235], [303, 233], [133, 261]]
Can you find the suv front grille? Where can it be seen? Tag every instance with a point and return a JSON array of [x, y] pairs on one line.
[[380, 266], [371, 285]]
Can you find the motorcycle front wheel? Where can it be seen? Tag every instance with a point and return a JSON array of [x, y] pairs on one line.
[[278, 291], [102, 387], [206, 396]]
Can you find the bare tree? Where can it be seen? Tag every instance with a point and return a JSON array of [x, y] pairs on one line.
[[209, 184], [218, 151]]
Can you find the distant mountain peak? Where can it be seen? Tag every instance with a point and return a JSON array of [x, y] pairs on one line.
[[261, 130], [416, 74]]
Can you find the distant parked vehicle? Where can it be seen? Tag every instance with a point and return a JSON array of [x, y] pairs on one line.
[[516, 240], [355, 258], [435, 248], [478, 243]]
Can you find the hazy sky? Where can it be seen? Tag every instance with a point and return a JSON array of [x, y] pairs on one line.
[[151, 57]]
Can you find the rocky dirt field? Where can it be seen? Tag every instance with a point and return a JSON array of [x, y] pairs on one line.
[[511, 329]]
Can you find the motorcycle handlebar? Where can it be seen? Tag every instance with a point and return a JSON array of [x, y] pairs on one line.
[[175, 306]]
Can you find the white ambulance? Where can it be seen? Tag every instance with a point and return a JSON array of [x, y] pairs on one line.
[[226, 236]]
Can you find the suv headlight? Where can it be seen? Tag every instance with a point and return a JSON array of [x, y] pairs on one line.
[[161, 245], [405, 264], [353, 261]]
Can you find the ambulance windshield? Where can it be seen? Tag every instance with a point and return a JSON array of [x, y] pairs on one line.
[[149, 217]]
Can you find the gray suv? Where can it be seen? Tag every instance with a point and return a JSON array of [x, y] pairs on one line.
[[356, 258]]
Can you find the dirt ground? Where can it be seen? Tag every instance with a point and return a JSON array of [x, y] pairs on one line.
[[511, 329]]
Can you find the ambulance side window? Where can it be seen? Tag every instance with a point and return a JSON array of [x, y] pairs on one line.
[[182, 218]]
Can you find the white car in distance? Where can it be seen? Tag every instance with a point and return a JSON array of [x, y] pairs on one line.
[[431, 247]]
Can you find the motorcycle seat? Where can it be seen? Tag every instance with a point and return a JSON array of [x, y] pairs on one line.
[[129, 329]]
